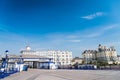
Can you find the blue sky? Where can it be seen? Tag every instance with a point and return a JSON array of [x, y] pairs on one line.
[[74, 25]]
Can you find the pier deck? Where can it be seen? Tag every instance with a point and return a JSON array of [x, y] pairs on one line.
[[38, 74]]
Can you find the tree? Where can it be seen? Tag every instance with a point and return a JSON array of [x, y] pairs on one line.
[[102, 64], [83, 62], [90, 62]]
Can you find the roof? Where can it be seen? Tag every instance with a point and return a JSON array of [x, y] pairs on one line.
[[26, 56], [77, 58], [13, 56], [33, 56], [26, 51], [89, 52]]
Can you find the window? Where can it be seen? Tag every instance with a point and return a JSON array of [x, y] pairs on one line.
[[66, 61], [66, 58], [66, 55]]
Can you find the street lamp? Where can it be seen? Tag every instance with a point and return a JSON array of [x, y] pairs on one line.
[[6, 56], [21, 59], [6, 59]]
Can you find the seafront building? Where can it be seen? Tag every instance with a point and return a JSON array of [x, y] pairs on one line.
[[103, 54], [32, 61], [77, 60], [58, 57], [106, 54], [89, 56], [39, 59], [118, 59]]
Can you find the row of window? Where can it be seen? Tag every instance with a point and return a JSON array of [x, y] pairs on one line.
[[63, 62], [62, 59], [49, 55]]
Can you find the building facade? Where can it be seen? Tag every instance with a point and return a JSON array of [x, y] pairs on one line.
[[118, 59], [103, 54], [89, 56], [33, 61], [77, 60], [106, 54], [58, 57]]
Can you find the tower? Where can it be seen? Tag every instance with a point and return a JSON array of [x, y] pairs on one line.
[[100, 48]]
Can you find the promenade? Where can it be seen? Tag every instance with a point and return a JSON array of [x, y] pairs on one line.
[[38, 74]]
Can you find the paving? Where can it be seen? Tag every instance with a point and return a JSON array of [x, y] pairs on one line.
[[38, 74]]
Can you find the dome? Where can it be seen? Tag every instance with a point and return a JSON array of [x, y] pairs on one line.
[[28, 48]]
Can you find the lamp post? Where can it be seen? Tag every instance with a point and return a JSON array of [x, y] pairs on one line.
[[6, 59], [21, 59], [6, 56]]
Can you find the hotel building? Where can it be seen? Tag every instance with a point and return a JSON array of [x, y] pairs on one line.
[[89, 56], [106, 54], [103, 54]]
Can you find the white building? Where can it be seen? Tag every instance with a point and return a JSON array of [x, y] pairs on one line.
[[59, 57], [118, 59]]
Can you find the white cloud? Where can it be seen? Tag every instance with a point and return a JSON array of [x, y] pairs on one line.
[[110, 27], [72, 36], [101, 31], [112, 43], [75, 40], [94, 35], [92, 16]]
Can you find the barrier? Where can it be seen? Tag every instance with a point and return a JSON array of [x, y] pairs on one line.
[[25, 68], [5, 73], [87, 67]]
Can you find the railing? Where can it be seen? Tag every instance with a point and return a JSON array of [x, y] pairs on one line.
[[4, 72]]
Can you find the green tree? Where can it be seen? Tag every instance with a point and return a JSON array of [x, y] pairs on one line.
[[102, 64], [90, 62]]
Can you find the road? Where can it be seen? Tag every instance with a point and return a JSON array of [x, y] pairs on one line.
[[38, 74]]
